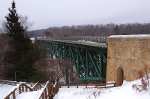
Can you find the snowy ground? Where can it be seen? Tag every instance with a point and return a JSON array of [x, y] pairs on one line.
[[124, 92], [29, 95], [5, 90]]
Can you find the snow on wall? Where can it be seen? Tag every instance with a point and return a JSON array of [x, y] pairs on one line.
[[130, 36]]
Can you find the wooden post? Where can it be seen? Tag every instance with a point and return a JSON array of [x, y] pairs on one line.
[[45, 93], [14, 96], [25, 88], [86, 85], [22, 88], [42, 95], [49, 89], [19, 89], [7, 97]]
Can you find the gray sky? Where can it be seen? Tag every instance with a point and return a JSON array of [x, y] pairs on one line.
[[47, 13]]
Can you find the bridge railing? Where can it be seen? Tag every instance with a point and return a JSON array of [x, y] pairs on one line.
[[11, 95], [14, 83], [49, 91], [36, 86], [23, 87]]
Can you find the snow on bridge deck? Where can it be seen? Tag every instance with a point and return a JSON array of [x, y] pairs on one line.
[[79, 42]]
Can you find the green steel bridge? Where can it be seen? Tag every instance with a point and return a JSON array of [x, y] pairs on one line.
[[88, 58]]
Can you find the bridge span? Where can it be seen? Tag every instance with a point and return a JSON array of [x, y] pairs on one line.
[[89, 58]]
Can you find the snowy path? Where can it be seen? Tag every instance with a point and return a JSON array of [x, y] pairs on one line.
[[5, 90], [29, 95]]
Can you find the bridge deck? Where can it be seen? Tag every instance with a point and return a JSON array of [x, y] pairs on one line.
[[79, 42]]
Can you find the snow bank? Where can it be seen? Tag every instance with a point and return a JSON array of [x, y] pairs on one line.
[[126, 91], [5, 90], [29, 95], [74, 93]]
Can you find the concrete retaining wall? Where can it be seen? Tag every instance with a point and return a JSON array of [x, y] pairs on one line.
[[131, 53]]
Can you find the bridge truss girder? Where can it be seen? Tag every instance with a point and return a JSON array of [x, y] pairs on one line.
[[90, 62]]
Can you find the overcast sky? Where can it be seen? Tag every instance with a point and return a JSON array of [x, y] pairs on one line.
[[48, 13]]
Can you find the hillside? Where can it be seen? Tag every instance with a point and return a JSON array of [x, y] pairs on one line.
[[91, 32]]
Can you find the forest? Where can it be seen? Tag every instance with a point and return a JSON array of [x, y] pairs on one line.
[[92, 32]]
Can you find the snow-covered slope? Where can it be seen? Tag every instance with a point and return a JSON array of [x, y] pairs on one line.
[[29, 95], [126, 91], [5, 90]]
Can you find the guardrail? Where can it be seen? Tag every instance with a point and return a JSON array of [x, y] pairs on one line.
[[49, 91], [93, 85], [23, 87], [11, 95], [14, 83], [36, 86]]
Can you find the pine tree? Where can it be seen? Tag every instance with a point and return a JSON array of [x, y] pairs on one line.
[[23, 56]]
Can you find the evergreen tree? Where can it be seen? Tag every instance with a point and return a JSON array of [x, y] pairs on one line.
[[23, 56]]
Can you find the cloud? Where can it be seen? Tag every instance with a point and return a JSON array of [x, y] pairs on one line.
[[45, 13]]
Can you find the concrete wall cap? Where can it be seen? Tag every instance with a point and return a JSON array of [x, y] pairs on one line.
[[130, 36]]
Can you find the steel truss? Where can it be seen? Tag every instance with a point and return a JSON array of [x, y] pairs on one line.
[[90, 62]]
